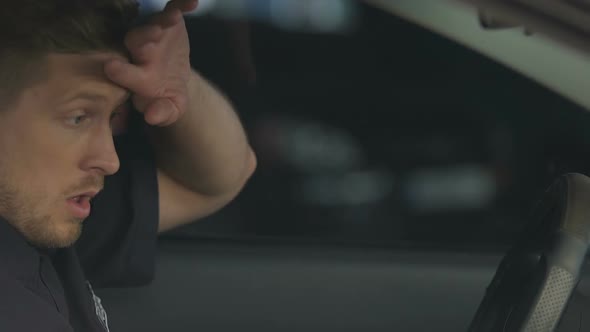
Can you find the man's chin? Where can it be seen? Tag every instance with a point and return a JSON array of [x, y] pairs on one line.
[[67, 239], [58, 238]]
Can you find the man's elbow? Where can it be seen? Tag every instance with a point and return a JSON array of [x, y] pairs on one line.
[[251, 164], [248, 170]]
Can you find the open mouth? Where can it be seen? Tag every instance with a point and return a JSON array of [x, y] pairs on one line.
[[80, 205], [81, 199]]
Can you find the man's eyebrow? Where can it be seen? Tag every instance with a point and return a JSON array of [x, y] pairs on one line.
[[124, 99], [95, 97]]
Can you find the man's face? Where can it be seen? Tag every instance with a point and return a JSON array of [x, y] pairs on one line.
[[56, 146]]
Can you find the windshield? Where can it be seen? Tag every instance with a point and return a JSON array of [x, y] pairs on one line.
[[380, 132]]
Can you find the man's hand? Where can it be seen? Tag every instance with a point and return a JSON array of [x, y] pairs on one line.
[[204, 159], [159, 74]]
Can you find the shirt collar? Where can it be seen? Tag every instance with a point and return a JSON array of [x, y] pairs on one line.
[[17, 257]]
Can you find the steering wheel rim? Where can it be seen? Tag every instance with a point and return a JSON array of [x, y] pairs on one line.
[[536, 278]]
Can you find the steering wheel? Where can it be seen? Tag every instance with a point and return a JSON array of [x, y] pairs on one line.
[[536, 278]]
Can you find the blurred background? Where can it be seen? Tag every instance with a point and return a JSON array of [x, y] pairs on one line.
[[371, 131]]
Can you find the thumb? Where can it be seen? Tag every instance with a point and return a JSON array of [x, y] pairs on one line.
[[182, 5], [161, 112]]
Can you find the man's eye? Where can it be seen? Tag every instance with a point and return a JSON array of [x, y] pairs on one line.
[[115, 114], [77, 120]]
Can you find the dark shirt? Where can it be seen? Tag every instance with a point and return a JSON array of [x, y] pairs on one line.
[[51, 290]]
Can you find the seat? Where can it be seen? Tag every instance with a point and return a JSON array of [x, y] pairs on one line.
[[536, 278]]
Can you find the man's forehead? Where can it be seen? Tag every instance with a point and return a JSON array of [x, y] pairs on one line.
[[90, 64], [73, 75]]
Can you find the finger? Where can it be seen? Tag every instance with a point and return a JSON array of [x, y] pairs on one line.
[[172, 13], [127, 75], [145, 53], [168, 18], [161, 112], [182, 5], [140, 36]]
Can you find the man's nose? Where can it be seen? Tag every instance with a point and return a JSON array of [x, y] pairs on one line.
[[102, 156]]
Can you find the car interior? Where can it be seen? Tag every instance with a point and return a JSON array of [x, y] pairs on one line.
[[405, 182]]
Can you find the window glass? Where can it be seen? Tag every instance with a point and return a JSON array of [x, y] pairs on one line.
[[373, 131]]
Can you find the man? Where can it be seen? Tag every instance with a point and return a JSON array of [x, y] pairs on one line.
[[79, 209]]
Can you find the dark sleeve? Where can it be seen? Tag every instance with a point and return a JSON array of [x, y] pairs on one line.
[[118, 243]]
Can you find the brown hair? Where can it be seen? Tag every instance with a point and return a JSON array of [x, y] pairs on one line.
[[31, 29]]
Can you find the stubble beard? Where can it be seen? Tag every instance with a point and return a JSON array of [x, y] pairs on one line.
[[39, 230]]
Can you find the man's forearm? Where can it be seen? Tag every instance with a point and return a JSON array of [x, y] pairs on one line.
[[206, 150]]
